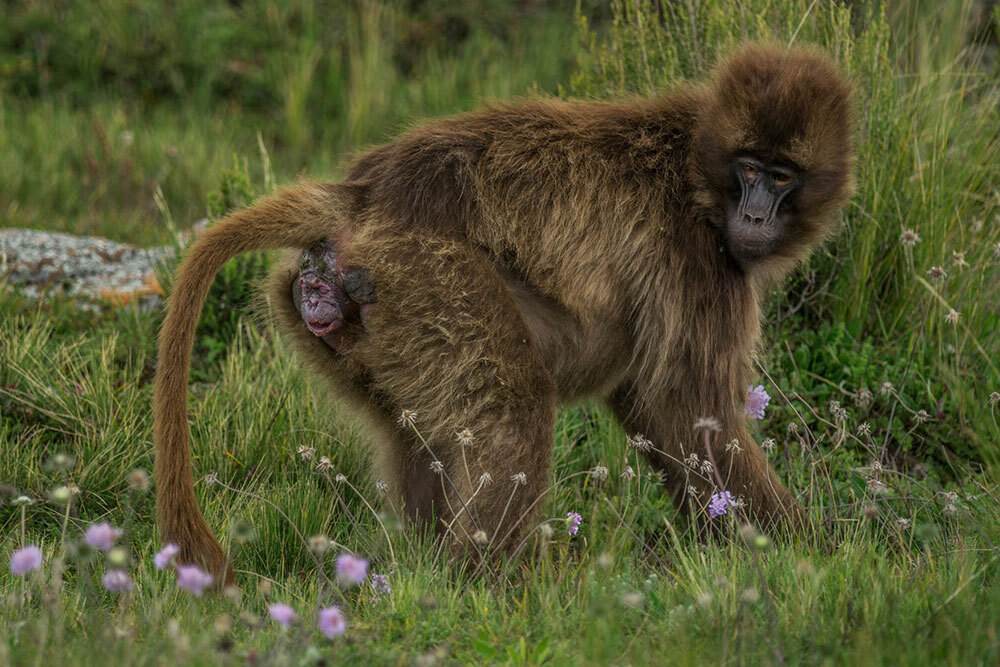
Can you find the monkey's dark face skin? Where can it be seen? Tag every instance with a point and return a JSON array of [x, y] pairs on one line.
[[319, 293], [328, 295], [758, 215]]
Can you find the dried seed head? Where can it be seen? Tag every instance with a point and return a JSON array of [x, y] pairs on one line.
[[959, 258], [599, 473], [319, 544], [937, 273], [60, 462], [903, 523], [485, 479], [805, 568], [306, 453], [792, 428], [437, 467], [876, 486], [707, 424], [870, 511], [886, 389], [733, 446], [994, 399], [921, 416], [909, 238], [138, 480], [382, 486], [60, 495], [408, 418], [324, 464], [952, 316], [864, 397], [639, 442], [546, 531], [211, 479], [340, 478], [864, 429], [480, 538], [768, 445], [464, 437], [632, 600], [692, 460], [706, 467], [692, 491], [628, 473], [519, 478]]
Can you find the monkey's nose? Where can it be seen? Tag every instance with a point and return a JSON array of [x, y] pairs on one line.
[[749, 219]]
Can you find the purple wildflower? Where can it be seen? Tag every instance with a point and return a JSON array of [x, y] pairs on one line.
[[25, 560], [331, 622], [574, 519], [351, 570], [193, 579], [719, 503], [165, 555], [757, 400], [380, 584], [102, 536], [117, 581], [283, 614]]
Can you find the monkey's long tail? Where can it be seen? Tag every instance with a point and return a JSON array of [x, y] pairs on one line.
[[295, 217]]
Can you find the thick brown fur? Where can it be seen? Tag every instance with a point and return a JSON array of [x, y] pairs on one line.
[[533, 254]]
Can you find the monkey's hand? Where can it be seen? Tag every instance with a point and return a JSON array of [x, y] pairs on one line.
[[326, 293]]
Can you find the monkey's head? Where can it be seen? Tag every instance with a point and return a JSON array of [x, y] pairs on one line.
[[772, 154]]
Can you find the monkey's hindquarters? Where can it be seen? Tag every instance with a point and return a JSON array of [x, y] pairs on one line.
[[295, 217]]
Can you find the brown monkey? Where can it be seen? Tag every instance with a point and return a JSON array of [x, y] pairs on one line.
[[533, 254]]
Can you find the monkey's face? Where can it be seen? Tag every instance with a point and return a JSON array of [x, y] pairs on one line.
[[758, 210]]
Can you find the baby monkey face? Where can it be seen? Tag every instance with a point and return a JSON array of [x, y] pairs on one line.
[[326, 293]]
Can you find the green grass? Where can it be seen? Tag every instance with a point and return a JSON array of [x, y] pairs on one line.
[[633, 586], [892, 568]]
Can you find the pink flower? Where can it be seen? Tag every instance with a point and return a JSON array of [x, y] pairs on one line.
[[193, 579], [25, 560], [331, 622], [283, 614], [757, 400], [351, 570], [165, 555], [574, 519], [102, 536], [117, 581], [719, 503]]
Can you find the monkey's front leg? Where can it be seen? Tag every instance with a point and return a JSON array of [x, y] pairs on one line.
[[740, 466], [328, 295]]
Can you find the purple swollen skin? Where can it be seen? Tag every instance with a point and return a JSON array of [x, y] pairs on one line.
[[327, 294]]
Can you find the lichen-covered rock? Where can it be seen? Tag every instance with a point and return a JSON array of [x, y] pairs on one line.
[[39, 264]]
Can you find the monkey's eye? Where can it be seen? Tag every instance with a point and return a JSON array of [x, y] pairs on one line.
[[781, 180], [749, 172]]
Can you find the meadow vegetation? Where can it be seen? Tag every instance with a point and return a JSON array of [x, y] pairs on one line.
[[133, 120]]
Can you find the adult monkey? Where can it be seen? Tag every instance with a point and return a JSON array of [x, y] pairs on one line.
[[482, 269]]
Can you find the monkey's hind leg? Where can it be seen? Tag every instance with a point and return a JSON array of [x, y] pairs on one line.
[[452, 361]]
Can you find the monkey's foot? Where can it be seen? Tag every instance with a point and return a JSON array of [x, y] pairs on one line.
[[328, 294]]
